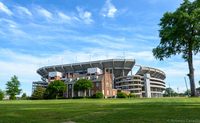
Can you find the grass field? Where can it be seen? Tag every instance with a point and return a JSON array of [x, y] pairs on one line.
[[159, 110]]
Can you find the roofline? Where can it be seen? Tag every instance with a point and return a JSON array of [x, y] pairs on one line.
[[79, 63], [152, 69], [91, 64]]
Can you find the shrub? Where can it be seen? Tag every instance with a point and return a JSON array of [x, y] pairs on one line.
[[132, 95], [98, 95], [122, 95]]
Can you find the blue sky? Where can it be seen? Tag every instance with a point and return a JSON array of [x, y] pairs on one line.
[[36, 33]]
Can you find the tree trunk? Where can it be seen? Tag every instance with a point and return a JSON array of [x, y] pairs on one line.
[[191, 73], [84, 93], [56, 96]]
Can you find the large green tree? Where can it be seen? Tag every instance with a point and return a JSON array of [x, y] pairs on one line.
[[83, 85], [12, 88], [180, 34], [55, 90]]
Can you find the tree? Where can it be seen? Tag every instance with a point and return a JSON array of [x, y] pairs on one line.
[[180, 34], [83, 85], [38, 93], [12, 88], [1, 94], [169, 92], [55, 89], [187, 92], [24, 96]]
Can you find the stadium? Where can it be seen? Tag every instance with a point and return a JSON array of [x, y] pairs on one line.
[[147, 82], [108, 77]]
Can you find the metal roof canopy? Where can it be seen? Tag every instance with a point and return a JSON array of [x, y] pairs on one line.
[[153, 72], [117, 65]]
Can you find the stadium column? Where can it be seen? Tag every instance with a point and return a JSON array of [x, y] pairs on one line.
[[147, 85]]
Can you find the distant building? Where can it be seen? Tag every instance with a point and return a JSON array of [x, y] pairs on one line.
[[107, 76], [198, 91]]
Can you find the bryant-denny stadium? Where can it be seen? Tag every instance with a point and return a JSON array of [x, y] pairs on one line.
[[108, 77]]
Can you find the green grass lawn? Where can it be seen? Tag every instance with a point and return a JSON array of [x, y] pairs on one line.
[[159, 110]]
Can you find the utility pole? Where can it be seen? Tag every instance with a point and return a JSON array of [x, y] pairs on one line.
[[186, 86], [169, 91]]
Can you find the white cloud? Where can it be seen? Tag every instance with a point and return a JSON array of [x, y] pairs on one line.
[[4, 21], [86, 16], [5, 9], [64, 16], [11, 29], [105, 41], [44, 12], [23, 10], [109, 10]]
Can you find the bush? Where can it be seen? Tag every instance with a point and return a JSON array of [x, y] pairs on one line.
[[98, 95], [122, 95], [132, 95]]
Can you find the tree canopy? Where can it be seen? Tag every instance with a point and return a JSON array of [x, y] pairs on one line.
[[55, 89], [169, 92], [180, 34], [83, 85], [38, 93], [12, 88]]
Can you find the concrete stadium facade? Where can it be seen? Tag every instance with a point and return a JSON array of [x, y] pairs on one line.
[[147, 82], [108, 77]]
